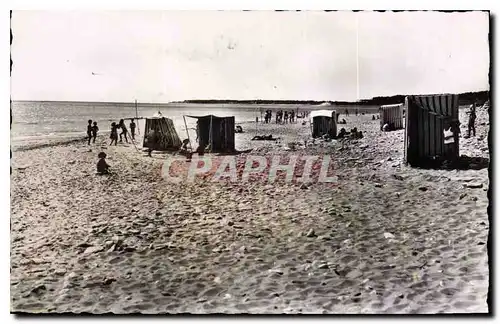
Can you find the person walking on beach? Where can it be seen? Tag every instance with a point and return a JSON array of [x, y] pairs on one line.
[[472, 120], [121, 125], [132, 129], [95, 129], [89, 130], [114, 133]]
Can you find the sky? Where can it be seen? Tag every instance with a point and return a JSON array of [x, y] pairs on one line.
[[162, 56]]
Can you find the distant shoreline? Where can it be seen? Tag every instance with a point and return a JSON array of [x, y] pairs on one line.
[[383, 100]]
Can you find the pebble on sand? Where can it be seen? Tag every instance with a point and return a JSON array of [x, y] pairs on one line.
[[389, 235], [474, 185], [311, 233]]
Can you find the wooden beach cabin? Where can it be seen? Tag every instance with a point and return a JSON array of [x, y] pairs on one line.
[[167, 137], [428, 117], [392, 115], [323, 122], [216, 132]]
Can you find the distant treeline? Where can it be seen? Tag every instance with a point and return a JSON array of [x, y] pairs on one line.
[[464, 98]]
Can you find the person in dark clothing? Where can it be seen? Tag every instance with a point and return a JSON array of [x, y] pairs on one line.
[[132, 129], [89, 130], [95, 129], [152, 141], [102, 166], [121, 125], [114, 133], [472, 120]]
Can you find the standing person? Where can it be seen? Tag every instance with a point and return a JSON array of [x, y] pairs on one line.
[[95, 129], [89, 130], [121, 125], [132, 129], [114, 133], [472, 120], [151, 140], [286, 117]]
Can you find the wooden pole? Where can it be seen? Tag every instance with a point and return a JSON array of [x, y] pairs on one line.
[[137, 118], [210, 135]]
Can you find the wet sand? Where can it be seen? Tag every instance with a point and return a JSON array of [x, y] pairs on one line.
[[387, 238]]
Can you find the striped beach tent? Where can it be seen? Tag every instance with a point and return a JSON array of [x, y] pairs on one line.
[[216, 133], [428, 117], [166, 137], [392, 115]]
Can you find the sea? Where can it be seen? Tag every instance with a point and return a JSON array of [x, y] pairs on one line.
[[43, 121]]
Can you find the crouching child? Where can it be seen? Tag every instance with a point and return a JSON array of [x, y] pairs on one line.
[[102, 166]]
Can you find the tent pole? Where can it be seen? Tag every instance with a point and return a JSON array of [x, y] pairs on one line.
[[210, 135], [187, 132], [137, 118]]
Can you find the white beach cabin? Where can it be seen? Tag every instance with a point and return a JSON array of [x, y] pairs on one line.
[[323, 122]]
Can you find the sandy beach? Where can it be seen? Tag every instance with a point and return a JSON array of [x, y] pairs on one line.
[[386, 238]]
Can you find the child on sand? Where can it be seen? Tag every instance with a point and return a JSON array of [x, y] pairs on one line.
[[95, 129], [102, 166], [114, 134], [132, 129], [121, 125], [89, 130]]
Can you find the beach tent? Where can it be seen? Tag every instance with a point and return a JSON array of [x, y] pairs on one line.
[[216, 132], [428, 117], [391, 114], [167, 137], [323, 122]]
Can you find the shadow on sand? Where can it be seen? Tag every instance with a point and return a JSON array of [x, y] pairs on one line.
[[464, 162]]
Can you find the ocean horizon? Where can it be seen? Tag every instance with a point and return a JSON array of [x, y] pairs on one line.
[[35, 121]]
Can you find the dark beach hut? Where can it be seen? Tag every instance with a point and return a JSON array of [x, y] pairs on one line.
[[166, 138], [216, 132], [391, 115], [431, 132], [323, 122]]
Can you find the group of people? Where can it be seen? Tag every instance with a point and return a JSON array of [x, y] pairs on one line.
[[282, 117], [93, 129], [121, 125]]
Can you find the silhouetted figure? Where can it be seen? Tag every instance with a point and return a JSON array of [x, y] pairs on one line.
[[472, 120], [95, 129], [121, 125], [152, 140], [102, 166], [132, 129], [89, 130], [114, 134]]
